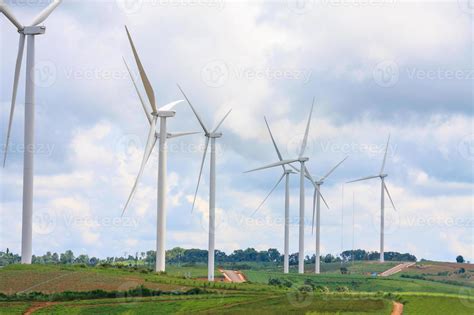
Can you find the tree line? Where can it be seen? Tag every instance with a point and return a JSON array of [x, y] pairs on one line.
[[180, 255]]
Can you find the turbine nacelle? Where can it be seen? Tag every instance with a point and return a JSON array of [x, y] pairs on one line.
[[32, 30], [214, 135], [303, 159], [165, 113]]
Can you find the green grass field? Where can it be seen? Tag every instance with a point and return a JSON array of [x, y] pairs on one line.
[[361, 294]]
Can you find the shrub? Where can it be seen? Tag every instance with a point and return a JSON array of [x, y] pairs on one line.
[[305, 288], [342, 289]]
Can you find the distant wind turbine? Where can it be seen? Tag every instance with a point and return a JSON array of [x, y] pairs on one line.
[[162, 113], [384, 189], [29, 137], [317, 208], [211, 135], [303, 173], [286, 174]]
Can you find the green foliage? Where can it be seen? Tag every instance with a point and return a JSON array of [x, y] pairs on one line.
[[460, 259]]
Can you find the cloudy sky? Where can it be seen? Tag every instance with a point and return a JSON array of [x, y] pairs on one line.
[[375, 68]]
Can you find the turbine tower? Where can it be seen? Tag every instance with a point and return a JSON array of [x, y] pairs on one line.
[[286, 174], [211, 135], [29, 32], [317, 209], [302, 160], [162, 114], [384, 189]]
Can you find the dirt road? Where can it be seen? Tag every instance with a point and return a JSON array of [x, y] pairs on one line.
[[397, 308], [396, 269], [233, 276]]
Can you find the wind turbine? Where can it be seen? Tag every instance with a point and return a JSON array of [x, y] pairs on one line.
[[303, 173], [384, 189], [29, 32], [317, 208], [211, 135], [286, 174], [162, 114]]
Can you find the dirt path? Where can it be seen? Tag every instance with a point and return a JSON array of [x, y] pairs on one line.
[[37, 306], [233, 276], [397, 308], [396, 269]]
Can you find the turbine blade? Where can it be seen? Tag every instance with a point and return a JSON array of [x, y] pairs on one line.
[[170, 106], [308, 175], [200, 172], [19, 58], [181, 134], [385, 156], [146, 83], [324, 200], [333, 169], [389, 196], [273, 140], [43, 15], [305, 138], [6, 11], [194, 110], [145, 109], [271, 191], [222, 120], [272, 165], [365, 178], [146, 155]]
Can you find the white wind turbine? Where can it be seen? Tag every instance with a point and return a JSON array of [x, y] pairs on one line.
[[162, 113], [211, 135], [317, 209], [382, 199], [286, 174], [303, 172], [29, 32]]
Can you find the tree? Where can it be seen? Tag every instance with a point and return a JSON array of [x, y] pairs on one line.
[[460, 259], [67, 257]]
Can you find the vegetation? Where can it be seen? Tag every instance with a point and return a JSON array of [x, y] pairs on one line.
[[65, 284]]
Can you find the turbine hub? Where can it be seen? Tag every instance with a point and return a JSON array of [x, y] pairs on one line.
[[303, 159], [383, 175], [166, 113], [33, 30], [214, 135]]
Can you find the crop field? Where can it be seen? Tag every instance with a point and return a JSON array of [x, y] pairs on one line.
[[357, 282], [341, 294], [442, 272]]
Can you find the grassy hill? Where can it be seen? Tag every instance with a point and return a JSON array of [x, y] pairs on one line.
[[354, 293]]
